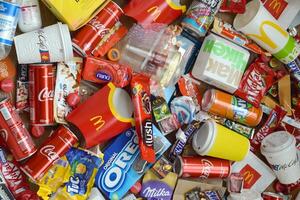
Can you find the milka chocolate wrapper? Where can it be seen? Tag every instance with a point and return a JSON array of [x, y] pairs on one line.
[[184, 186]]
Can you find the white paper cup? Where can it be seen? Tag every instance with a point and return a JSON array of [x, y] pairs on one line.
[[280, 150], [50, 44], [264, 29]]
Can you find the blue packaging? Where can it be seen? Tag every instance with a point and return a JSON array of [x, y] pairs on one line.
[[122, 165]]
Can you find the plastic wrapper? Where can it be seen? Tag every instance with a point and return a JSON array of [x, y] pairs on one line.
[[80, 175], [255, 83]]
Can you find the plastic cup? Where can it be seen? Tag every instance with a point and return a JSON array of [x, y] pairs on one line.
[[280, 150], [264, 29], [50, 44], [215, 140]]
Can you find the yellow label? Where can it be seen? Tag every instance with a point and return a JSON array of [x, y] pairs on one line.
[[264, 37], [75, 13]]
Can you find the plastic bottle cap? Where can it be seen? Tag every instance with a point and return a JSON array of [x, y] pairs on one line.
[[37, 131], [7, 85], [73, 99]]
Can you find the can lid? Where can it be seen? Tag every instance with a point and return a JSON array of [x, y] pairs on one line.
[[277, 142], [177, 166], [208, 99], [204, 137]]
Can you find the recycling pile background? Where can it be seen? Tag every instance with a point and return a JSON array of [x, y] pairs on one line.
[[115, 99]]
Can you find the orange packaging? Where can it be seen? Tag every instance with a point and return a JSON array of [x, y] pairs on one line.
[[7, 69], [231, 107]]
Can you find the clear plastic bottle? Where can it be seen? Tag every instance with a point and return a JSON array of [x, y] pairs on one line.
[[30, 16], [9, 13]]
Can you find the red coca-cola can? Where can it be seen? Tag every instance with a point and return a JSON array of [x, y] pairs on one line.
[[201, 167], [51, 150], [41, 94], [14, 133], [271, 196], [87, 39]]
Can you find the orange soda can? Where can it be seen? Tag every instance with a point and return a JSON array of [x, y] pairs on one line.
[[231, 107]]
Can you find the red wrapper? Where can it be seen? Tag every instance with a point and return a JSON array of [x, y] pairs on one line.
[[102, 71], [234, 6], [256, 82], [188, 88], [272, 123], [15, 178], [286, 189], [140, 85]]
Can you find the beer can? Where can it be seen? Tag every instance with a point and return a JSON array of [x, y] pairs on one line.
[[271, 196], [230, 107], [41, 94], [201, 167], [50, 151], [14, 132], [88, 38]]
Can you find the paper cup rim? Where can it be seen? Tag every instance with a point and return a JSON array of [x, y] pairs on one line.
[[249, 7], [210, 130], [291, 142], [66, 41]]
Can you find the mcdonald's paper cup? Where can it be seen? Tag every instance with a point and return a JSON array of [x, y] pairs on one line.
[[50, 44], [102, 116], [263, 28], [215, 140], [280, 150]]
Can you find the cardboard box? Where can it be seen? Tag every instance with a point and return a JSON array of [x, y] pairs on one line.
[[221, 63], [75, 13]]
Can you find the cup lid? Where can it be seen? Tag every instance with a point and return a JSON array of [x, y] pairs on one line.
[[242, 20], [276, 142], [204, 138]]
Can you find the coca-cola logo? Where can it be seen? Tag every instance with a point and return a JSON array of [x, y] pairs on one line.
[[49, 152], [206, 168], [46, 95], [98, 27]]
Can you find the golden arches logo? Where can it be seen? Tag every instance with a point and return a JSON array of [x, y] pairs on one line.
[[263, 35], [98, 122], [276, 5], [155, 11], [248, 177]]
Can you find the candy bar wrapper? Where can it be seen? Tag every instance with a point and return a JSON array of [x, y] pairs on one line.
[[22, 103], [160, 109], [227, 31], [233, 6], [4, 191], [53, 179], [155, 187], [184, 186], [123, 165], [15, 178], [257, 175], [143, 115], [67, 81], [182, 138], [80, 175], [244, 130], [162, 167], [255, 83], [98, 70], [284, 90], [273, 122]]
